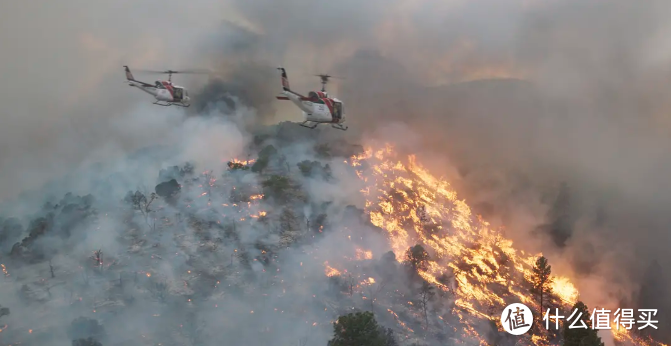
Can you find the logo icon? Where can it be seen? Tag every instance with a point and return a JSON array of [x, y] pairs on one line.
[[517, 319]]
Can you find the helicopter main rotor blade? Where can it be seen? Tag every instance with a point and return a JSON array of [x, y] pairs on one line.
[[188, 71], [328, 76]]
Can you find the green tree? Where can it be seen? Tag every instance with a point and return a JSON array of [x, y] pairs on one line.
[[265, 155], [541, 279], [323, 150], [268, 151], [276, 186], [417, 257], [260, 164], [580, 336], [356, 329]]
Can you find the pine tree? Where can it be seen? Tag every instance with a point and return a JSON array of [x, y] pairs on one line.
[[359, 328], [541, 279], [578, 335], [426, 294]]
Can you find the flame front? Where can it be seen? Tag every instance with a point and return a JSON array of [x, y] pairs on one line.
[[469, 259]]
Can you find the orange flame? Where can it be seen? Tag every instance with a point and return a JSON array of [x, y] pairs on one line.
[[363, 254], [330, 271]]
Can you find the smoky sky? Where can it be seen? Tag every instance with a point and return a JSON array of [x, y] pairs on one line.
[[581, 94]]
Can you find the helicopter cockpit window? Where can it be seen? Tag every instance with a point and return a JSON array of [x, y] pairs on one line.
[[178, 93], [159, 85], [314, 97], [338, 110]]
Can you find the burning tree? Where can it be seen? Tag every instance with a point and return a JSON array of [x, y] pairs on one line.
[[237, 166], [541, 279], [417, 257]]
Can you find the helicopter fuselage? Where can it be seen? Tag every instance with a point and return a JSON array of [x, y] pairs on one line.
[[316, 109], [164, 92]]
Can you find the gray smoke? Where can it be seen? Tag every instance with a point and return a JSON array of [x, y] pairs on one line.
[[580, 97]]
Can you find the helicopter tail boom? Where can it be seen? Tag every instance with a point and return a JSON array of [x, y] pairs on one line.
[[134, 82]]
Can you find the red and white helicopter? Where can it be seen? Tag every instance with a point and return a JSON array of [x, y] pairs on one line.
[[166, 93], [318, 107]]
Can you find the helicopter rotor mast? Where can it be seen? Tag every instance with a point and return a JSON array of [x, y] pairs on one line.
[[324, 79]]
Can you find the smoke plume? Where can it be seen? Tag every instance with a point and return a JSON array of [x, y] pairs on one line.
[[508, 99]]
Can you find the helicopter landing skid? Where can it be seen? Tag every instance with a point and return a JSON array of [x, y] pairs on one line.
[[340, 127], [168, 104], [305, 124]]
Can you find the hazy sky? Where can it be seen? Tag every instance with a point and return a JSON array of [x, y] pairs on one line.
[[600, 74]]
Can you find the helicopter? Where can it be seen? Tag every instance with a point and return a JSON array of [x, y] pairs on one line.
[[318, 107], [166, 93]]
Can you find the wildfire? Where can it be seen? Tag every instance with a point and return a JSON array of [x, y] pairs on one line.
[[363, 254], [4, 270], [330, 271], [563, 288], [248, 162], [261, 214], [467, 257]]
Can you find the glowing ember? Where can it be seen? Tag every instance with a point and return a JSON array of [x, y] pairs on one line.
[[4, 270], [148, 275], [261, 214]]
